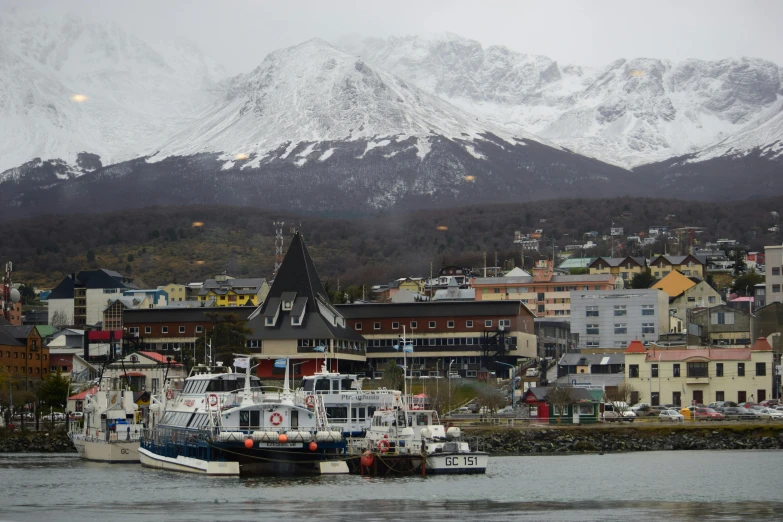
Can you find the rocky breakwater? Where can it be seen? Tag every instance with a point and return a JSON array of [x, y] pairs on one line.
[[35, 442], [554, 440]]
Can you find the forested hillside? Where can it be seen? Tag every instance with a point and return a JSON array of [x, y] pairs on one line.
[[181, 244]]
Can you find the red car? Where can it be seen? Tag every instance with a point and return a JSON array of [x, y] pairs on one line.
[[707, 414]]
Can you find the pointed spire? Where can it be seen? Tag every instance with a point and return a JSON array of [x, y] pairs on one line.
[[297, 273]]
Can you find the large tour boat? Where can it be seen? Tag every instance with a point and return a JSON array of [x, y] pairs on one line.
[[225, 423], [111, 426]]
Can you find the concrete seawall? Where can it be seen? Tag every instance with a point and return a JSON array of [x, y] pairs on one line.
[[554, 440]]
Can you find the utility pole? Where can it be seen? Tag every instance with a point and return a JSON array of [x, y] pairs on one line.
[[485, 264]]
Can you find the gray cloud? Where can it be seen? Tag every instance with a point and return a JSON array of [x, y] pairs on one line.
[[239, 33]]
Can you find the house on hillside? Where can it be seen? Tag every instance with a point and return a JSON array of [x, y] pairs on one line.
[[80, 298], [690, 265], [623, 267], [687, 293]]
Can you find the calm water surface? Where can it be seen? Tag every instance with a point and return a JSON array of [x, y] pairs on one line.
[[699, 485]]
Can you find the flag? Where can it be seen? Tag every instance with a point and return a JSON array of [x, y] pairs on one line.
[[319, 348], [241, 362], [281, 363], [396, 347], [408, 348]]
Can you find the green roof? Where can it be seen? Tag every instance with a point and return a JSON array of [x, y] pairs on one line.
[[45, 330], [577, 262]]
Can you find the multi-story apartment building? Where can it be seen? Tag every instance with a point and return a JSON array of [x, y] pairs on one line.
[[722, 325], [80, 298], [685, 294], [544, 293], [226, 291], [700, 375], [622, 267], [690, 265], [613, 318], [23, 355], [773, 270]]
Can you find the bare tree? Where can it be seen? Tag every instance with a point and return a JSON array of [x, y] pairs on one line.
[[559, 397], [490, 397], [60, 318], [620, 396]]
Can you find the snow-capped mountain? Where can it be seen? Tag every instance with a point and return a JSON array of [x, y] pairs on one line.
[[314, 93], [628, 113], [68, 85]]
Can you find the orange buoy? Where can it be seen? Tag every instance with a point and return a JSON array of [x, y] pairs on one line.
[[313, 446], [282, 438], [367, 459], [248, 443]]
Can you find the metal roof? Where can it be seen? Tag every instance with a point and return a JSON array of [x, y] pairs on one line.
[[433, 309]]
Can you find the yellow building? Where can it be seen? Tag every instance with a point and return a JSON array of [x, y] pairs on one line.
[[623, 267], [674, 283], [700, 375], [175, 292], [689, 265], [234, 292]]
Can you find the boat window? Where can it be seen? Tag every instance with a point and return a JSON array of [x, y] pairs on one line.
[[244, 419], [255, 382], [421, 419], [322, 385], [370, 411], [337, 413], [335, 385], [347, 384], [307, 385]]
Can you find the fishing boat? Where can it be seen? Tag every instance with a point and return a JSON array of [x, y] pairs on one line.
[[111, 427], [225, 423]]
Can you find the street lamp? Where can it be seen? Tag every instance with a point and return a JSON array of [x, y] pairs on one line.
[[513, 379], [452, 362]]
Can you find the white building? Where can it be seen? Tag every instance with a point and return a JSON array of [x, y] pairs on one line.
[[80, 298], [773, 270], [614, 318]]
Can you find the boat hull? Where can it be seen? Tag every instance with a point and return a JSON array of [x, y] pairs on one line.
[[188, 464], [458, 463], [115, 452]]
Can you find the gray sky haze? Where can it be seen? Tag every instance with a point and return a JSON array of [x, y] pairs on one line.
[[239, 33]]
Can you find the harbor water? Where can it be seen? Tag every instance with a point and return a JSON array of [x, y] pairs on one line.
[[679, 485]]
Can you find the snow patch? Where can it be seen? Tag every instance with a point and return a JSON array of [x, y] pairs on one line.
[[308, 150], [300, 162], [227, 165], [288, 150], [326, 155], [423, 147], [474, 153], [373, 145]]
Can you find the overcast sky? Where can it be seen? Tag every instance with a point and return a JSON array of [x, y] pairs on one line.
[[239, 33]]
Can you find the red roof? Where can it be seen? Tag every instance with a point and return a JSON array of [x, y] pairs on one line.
[[81, 395], [762, 345], [712, 354], [159, 357], [636, 346], [135, 374]]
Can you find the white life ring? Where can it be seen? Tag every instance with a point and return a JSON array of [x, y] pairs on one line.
[[213, 400], [276, 419], [309, 401]]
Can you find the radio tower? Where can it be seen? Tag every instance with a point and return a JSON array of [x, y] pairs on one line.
[[278, 245]]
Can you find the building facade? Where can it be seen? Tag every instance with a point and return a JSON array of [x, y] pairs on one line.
[[700, 376], [622, 267], [722, 325], [773, 271], [23, 355], [690, 266], [80, 298], [613, 318], [226, 291]]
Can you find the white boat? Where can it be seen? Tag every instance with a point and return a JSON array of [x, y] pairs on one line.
[[110, 429], [348, 408], [400, 438], [224, 423]]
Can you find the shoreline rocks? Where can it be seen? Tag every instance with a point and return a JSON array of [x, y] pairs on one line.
[[37, 442], [554, 440]]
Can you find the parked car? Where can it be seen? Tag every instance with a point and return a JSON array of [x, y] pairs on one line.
[[737, 413], [770, 403], [612, 413], [638, 406], [671, 416], [707, 414], [77, 415], [718, 404], [770, 414]]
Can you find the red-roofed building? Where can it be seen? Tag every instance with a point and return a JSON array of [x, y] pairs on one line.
[[76, 401], [684, 376], [145, 371]]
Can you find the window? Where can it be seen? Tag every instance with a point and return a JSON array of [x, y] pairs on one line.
[[722, 318], [619, 310], [633, 371], [450, 324], [655, 399], [711, 299], [741, 371], [181, 329], [592, 329], [675, 370], [488, 323], [648, 328], [591, 311], [691, 299], [541, 309], [376, 326], [698, 369], [620, 328], [432, 324], [164, 329], [199, 328], [395, 325], [469, 324], [761, 369], [719, 396], [592, 344], [414, 324], [358, 326], [505, 323], [776, 289], [540, 296], [718, 371], [133, 330], [654, 370], [147, 329], [742, 396], [775, 270], [648, 309]]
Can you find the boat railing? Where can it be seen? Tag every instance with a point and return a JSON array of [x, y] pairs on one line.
[[107, 436]]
